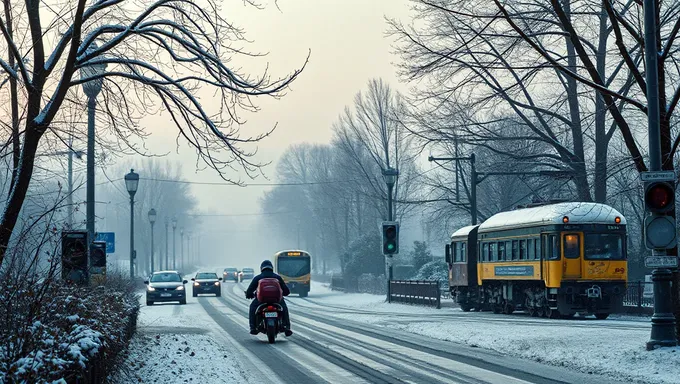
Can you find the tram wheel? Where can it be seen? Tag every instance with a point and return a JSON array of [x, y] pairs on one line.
[[508, 309], [533, 312], [552, 313]]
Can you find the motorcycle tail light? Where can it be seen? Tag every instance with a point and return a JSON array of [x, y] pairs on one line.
[[270, 308]]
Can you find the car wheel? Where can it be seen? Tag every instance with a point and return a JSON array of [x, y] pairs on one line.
[[218, 294], [149, 302], [194, 294], [183, 301]]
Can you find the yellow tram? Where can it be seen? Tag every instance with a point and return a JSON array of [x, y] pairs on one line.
[[552, 260]]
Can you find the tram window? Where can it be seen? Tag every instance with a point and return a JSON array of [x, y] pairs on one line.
[[501, 251], [515, 250], [485, 252], [493, 252], [508, 250], [463, 252], [522, 249], [531, 251], [537, 247], [553, 248], [572, 246]]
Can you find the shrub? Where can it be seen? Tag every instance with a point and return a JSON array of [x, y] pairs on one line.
[[434, 270]]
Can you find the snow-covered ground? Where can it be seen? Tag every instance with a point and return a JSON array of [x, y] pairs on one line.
[[174, 344], [611, 347]]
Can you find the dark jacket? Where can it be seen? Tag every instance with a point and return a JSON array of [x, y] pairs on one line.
[[266, 274]]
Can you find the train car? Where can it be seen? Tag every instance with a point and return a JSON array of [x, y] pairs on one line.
[[553, 260], [461, 257], [295, 269]]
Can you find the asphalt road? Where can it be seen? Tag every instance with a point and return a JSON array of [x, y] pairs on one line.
[[326, 349]]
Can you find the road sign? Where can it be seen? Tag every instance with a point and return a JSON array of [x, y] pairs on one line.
[[109, 238], [661, 262], [658, 176]]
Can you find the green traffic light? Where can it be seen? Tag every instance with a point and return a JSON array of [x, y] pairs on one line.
[[390, 246]]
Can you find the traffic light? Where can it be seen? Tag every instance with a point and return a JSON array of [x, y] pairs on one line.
[[73, 255], [390, 235], [659, 227], [98, 256]]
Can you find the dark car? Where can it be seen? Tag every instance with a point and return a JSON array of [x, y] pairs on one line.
[[207, 282], [165, 286], [230, 273], [247, 273]]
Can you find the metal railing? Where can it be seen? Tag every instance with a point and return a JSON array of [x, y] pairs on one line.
[[422, 292], [639, 297]]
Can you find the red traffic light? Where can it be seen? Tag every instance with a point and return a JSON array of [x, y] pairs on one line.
[[391, 232], [660, 197]]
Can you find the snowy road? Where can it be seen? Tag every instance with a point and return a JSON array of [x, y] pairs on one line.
[[207, 340]]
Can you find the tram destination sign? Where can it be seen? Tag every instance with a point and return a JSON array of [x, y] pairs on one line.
[[658, 176], [661, 262]]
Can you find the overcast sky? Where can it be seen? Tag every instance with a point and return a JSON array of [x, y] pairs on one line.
[[348, 47]]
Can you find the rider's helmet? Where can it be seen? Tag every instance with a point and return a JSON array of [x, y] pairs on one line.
[[266, 265]]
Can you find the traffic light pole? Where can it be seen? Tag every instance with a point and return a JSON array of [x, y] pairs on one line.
[[663, 321], [388, 259]]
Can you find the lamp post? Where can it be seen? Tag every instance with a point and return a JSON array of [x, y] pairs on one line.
[[131, 184], [181, 248], [190, 254], [167, 241], [390, 175], [174, 243], [91, 89], [152, 220]]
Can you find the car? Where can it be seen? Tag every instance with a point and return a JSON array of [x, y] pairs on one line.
[[230, 273], [247, 273], [164, 286], [207, 282]]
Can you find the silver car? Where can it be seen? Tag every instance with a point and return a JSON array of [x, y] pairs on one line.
[[165, 286]]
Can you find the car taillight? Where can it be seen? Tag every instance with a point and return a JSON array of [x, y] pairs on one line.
[[270, 308]]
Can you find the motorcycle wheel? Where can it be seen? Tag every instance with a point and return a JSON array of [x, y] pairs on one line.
[[271, 335]]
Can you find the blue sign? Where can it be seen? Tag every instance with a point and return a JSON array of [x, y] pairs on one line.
[[525, 270], [109, 238]]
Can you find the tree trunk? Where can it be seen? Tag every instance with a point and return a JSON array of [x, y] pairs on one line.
[[601, 141], [18, 191]]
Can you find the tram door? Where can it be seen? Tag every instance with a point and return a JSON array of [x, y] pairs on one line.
[[571, 255]]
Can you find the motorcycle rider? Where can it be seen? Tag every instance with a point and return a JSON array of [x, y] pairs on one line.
[[267, 271]]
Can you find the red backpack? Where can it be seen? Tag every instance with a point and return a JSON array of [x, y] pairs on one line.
[[269, 291]]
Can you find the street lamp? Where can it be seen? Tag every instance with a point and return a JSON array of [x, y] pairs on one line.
[[152, 220], [181, 248], [92, 89], [131, 183], [167, 241], [174, 243], [190, 253], [390, 175]]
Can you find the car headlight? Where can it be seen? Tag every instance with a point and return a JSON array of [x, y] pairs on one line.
[[197, 284], [180, 288], [150, 288], [217, 283]]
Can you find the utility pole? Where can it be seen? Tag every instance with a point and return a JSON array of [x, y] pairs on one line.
[[167, 242], [663, 320], [69, 199]]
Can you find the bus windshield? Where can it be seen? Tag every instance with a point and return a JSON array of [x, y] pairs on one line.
[[603, 246], [293, 266]]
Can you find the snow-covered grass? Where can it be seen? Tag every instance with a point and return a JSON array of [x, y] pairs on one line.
[[179, 358], [612, 347]]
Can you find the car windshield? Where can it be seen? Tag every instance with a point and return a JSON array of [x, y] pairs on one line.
[[293, 266], [248, 270], [165, 278], [230, 270], [206, 276], [604, 246]]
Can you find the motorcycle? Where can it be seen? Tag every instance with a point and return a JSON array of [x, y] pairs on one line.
[[269, 320]]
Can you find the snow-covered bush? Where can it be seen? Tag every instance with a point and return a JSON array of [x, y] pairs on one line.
[[53, 332], [434, 270]]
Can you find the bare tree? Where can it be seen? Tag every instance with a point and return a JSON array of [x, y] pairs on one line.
[[158, 55]]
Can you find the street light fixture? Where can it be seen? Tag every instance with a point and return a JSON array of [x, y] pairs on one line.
[[174, 243], [92, 89], [131, 184], [152, 220]]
